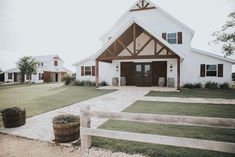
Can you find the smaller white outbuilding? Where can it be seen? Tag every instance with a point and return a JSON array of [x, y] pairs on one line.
[[49, 69]]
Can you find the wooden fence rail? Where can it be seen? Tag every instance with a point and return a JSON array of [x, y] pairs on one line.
[[86, 132]]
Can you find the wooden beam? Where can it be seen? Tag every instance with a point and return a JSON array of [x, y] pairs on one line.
[[142, 48], [142, 3], [97, 73], [146, 5], [138, 57], [140, 9], [138, 5], [160, 50], [110, 52], [155, 47], [125, 47], [178, 73], [134, 39]]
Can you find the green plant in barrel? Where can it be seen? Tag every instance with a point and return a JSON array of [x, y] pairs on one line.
[[13, 117], [66, 127]]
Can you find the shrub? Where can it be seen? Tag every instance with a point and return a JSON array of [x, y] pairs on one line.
[[192, 86], [224, 86], [12, 110], [211, 85], [65, 118], [84, 83], [68, 80], [103, 83]]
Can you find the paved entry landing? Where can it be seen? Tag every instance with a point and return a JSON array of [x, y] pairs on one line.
[[40, 127]]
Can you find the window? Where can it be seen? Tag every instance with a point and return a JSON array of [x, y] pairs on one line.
[[10, 76], [211, 70], [87, 70], [171, 38], [42, 64], [55, 63], [40, 76]]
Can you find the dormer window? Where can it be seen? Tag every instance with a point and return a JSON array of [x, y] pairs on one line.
[[55, 63]]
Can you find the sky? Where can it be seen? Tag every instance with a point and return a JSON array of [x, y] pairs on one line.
[[72, 28]]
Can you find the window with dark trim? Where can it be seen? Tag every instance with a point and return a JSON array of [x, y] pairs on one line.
[[55, 63], [87, 70], [9, 76], [171, 38], [211, 70]]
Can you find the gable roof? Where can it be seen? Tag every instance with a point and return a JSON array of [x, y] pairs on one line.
[[145, 27], [157, 7], [213, 55], [83, 60], [46, 58]]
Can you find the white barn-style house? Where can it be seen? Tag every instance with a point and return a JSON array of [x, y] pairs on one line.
[[148, 46], [49, 69]]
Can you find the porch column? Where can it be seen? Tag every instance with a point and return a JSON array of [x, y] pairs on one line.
[[97, 73], [178, 73]]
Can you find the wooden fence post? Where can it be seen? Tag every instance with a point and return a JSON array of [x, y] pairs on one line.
[[85, 123]]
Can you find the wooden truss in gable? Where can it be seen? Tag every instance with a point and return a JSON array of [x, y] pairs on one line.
[[142, 5], [127, 41]]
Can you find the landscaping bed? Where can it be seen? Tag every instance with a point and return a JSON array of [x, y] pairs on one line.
[[197, 93]]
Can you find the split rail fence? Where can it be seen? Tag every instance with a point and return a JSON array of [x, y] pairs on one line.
[[86, 131]]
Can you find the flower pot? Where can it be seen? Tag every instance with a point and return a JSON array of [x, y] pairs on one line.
[[66, 132], [13, 117]]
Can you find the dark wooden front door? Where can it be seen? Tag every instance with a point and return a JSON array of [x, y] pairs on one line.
[[56, 77], [159, 70], [127, 72], [15, 77], [143, 74]]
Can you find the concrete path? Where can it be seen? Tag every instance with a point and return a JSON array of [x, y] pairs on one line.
[[40, 127], [189, 100]]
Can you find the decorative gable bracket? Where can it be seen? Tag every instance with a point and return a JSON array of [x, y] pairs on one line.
[[142, 5]]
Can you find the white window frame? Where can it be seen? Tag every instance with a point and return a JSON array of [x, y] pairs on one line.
[[216, 70], [171, 38]]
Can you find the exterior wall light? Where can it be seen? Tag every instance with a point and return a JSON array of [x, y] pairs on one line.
[[117, 68], [171, 68]]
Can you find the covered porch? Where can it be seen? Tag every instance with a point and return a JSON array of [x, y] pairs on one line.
[[140, 56]]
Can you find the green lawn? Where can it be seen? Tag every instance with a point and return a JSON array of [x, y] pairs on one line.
[[190, 109], [198, 93], [41, 98], [208, 133]]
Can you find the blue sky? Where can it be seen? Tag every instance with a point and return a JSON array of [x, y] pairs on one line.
[[72, 28]]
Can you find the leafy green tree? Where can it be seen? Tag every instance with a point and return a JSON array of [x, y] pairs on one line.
[[226, 35], [27, 65]]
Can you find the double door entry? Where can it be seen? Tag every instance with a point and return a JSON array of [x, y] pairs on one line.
[[144, 74]]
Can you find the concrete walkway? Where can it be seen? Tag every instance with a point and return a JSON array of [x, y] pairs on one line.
[[188, 100], [40, 127]]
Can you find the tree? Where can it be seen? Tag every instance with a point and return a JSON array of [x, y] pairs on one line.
[[27, 65], [226, 35]]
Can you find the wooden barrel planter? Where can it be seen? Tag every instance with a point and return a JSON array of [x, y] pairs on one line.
[[66, 128], [13, 117]]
